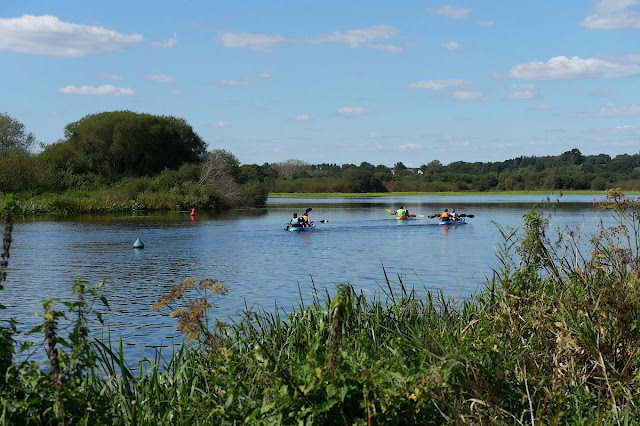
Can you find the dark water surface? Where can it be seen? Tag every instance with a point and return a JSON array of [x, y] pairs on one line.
[[260, 263]]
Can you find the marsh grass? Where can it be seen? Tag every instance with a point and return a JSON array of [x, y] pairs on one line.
[[113, 202], [552, 339]]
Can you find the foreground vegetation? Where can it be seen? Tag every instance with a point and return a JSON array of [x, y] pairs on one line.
[[553, 339]]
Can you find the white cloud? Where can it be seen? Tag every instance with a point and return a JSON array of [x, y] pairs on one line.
[[624, 129], [540, 142], [467, 95], [176, 92], [485, 23], [439, 84], [103, 90], [452, 45], [166, 44], [114, 77], [220, 124], [365, 148], [352, 38], [353, 111], [160, 78], [450, 11], [523, 92], [261, 42], [48, 35], [265, 74], [303, 117], [391, 48], [410, 147], [544, 107], [358, 37], [561, 67], [232, 82], [613, 15], [610, 110]]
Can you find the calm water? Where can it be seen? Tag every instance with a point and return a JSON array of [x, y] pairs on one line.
[[260, 263]]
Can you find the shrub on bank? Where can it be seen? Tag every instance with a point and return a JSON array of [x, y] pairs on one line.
[[552, 339]]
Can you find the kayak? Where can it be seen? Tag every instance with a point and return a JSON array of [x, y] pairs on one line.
[[311, 227], [403, 218], [460, 221]]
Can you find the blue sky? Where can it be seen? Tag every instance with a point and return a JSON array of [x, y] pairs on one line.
[[336, 81]]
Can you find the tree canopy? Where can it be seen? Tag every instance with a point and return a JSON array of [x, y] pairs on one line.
[[124, 143], [13, 134]]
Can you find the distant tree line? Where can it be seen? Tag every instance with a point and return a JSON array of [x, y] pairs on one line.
[[570, 170], [137, 156]]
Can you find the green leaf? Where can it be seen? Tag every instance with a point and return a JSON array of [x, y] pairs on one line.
[[229, 401]]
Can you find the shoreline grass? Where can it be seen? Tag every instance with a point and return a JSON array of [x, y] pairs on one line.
[[552, 339]]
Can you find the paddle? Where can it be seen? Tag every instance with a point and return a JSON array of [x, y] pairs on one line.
[[412, 215]]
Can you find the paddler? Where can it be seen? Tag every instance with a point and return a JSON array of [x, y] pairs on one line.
[[305, 217], [445, 216], [402, 212]]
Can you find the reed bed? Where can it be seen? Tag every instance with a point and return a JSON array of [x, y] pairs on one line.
[[552, 339]]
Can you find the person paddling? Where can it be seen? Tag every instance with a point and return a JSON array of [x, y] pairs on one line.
[[305, 217], [402, 211], [295, 220], [445, 216], [454, 216]]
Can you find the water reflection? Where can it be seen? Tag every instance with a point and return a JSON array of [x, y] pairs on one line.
[[260, 263]]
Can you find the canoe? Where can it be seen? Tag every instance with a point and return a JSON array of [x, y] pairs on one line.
[[460, 221], [403, 218], [302, 228]]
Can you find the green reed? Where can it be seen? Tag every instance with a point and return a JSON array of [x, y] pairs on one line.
[[552, 339]]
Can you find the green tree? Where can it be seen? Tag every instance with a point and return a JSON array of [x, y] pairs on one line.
[[13, 135], [399, 167], [361, 181], [123, 143]]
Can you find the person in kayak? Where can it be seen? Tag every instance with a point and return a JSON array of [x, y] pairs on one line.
[[445, 216], [305, 217], [402, 211], [453, 215], [295, 220]]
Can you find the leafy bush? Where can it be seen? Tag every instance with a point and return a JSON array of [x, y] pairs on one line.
[[553, 339]]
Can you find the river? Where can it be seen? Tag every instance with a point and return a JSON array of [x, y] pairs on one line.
[[262, 265]]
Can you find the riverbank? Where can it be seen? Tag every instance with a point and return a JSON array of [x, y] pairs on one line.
[[552, 339], [442, 194]]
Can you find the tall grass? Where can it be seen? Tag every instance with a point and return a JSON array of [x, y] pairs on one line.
[[552, 339]]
